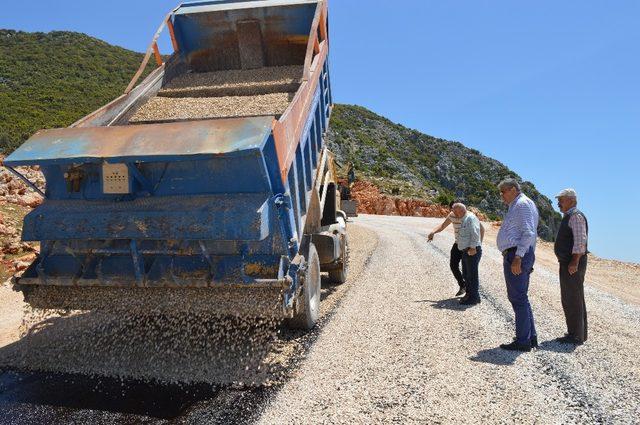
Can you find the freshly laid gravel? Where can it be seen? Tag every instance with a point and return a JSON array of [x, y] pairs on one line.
[[235, 82], [158, 334], [400, 349], [169, 335], [165, 109], [183, 347]]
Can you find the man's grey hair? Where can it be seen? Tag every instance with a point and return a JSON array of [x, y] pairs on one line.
[[508, 183], [459, 205]]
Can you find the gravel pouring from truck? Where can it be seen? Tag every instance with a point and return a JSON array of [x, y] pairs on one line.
[[221, 210]]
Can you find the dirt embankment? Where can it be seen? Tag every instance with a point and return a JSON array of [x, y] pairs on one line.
[[16, 200], [372, 201]]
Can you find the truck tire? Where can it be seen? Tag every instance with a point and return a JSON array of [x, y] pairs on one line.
[[308, 306], [339, 275]]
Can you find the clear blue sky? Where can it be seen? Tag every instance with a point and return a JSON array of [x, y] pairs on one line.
[[550, 88]]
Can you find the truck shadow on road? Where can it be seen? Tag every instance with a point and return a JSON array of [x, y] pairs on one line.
[[74, 391]]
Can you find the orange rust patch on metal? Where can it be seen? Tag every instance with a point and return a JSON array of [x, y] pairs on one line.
[[260, 270]]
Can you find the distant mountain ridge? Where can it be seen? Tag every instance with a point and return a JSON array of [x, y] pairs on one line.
[[53, 79], [409, 163]]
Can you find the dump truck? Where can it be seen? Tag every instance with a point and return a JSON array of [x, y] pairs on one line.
[[208, 185]]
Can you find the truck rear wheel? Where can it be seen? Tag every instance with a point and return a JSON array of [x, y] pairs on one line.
[[339, 275], [308, 306]]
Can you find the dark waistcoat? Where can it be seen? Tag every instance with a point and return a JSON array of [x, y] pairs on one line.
[[564, 239]]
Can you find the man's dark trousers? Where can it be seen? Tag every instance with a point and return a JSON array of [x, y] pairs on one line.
[[572, 295], [471, 263], [454, 262], [517, 289]]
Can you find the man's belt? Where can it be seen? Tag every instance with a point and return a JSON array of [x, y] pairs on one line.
[[508, 250]]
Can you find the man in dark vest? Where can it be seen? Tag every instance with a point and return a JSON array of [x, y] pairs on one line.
[[571, 250]]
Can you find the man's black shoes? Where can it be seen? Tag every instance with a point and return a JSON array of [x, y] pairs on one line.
[[462, 291], [533, 342], [516, 346], [569, 339], [469, 301]]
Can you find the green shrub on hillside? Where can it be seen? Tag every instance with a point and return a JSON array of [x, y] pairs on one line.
[[52, 79], [445, 198]]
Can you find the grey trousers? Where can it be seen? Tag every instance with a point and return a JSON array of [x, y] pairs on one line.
[[572, 295]]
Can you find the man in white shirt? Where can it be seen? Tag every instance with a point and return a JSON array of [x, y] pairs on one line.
[[469, 243], [455, 258]]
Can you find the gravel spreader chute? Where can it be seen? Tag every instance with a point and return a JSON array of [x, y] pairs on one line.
[[208, 186]]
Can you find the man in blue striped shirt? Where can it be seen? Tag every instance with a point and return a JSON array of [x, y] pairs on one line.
[[517, 242]]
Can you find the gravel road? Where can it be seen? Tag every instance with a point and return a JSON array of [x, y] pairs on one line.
[[401, 350], [393, 346]]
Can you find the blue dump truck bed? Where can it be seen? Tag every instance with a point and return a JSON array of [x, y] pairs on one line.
[[208, 179]]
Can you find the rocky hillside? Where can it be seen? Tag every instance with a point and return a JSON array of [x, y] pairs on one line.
[[411, 164]]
